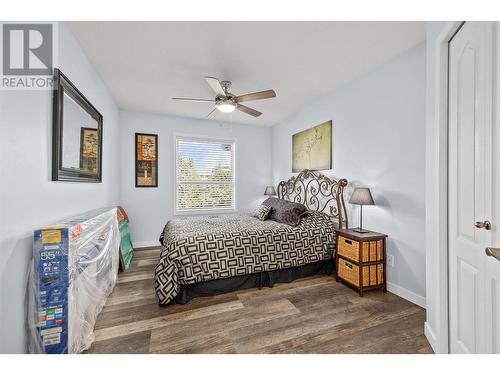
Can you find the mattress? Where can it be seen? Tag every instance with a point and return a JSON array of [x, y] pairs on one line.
[[199, 249]]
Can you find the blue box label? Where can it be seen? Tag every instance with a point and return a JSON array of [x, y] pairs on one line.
[[51, 268]]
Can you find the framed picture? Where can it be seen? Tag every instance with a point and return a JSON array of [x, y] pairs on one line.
[[146, 160], [312, 148], [88, 149]]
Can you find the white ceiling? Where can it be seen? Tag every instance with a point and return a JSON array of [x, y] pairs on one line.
[[145, 64]]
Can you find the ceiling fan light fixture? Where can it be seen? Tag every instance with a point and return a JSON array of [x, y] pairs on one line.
[[226, 106], [226, 102]]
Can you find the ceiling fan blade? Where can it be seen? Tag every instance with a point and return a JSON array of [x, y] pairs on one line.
[[215, 85], [248, 110], [195, 100], [256, 96], [213, 110]]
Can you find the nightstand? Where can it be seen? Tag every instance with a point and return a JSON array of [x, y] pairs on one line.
[[361, 260]]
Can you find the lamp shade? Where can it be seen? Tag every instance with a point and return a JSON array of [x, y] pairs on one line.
[[270, 190], [362, 196]]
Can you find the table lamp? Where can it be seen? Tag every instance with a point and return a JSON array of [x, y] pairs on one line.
[[363, 197], [270, 191]]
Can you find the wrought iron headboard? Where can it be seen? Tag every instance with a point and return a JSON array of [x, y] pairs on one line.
[[317, 192]]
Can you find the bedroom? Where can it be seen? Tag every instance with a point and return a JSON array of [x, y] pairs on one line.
[[246, 161]]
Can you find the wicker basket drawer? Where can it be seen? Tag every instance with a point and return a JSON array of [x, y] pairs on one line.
[[348, 271], [348, 248], [372, 274]]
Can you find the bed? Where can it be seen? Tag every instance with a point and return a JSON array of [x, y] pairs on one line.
[[209, 255]]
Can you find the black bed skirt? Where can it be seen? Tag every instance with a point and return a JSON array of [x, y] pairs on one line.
[[254, 280]]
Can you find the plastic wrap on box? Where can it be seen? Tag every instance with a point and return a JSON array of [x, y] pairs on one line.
[[74, 269]]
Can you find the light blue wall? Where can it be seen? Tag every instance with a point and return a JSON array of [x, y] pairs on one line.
[[28, 199], [379, 142], [149, 209]]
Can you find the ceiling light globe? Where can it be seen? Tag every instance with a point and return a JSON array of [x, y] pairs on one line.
[[226, 107]]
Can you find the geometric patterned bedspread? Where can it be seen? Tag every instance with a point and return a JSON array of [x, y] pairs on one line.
[[196, 249]]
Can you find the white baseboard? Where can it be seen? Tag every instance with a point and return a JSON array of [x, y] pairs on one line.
[[431, 337], [406, 294], [140, 244]]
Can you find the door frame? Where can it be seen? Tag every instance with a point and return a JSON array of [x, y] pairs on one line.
[[437, 195]]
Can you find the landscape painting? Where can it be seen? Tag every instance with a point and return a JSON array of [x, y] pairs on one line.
[[312, 148]]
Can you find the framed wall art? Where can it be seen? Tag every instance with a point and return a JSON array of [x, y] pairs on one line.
[[146, 160], [312, 148], [88, 149]]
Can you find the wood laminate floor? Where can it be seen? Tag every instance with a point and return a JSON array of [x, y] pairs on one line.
[[312, 315]]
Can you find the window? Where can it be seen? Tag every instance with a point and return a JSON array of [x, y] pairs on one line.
[[204, 174]]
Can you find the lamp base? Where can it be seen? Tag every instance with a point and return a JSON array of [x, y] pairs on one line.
[[360, 230]]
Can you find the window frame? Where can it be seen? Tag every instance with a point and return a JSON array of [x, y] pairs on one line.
[[205, 211]]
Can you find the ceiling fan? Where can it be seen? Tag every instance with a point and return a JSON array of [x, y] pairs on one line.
[[226, 102]]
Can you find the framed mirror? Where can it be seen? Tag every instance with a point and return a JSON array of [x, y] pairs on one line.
[[77, 135]]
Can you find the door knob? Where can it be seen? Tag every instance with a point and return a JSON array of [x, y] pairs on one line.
[[483, 224], [493, 252]]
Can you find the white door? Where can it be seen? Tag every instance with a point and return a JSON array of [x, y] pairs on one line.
[[473, 188]]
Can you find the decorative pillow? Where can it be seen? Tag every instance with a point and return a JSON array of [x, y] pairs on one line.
[[262, 212], [285, 212]]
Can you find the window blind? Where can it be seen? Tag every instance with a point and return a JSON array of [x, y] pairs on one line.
[[204, 174]]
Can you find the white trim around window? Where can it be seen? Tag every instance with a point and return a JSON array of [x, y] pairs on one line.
[[177, 181]]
